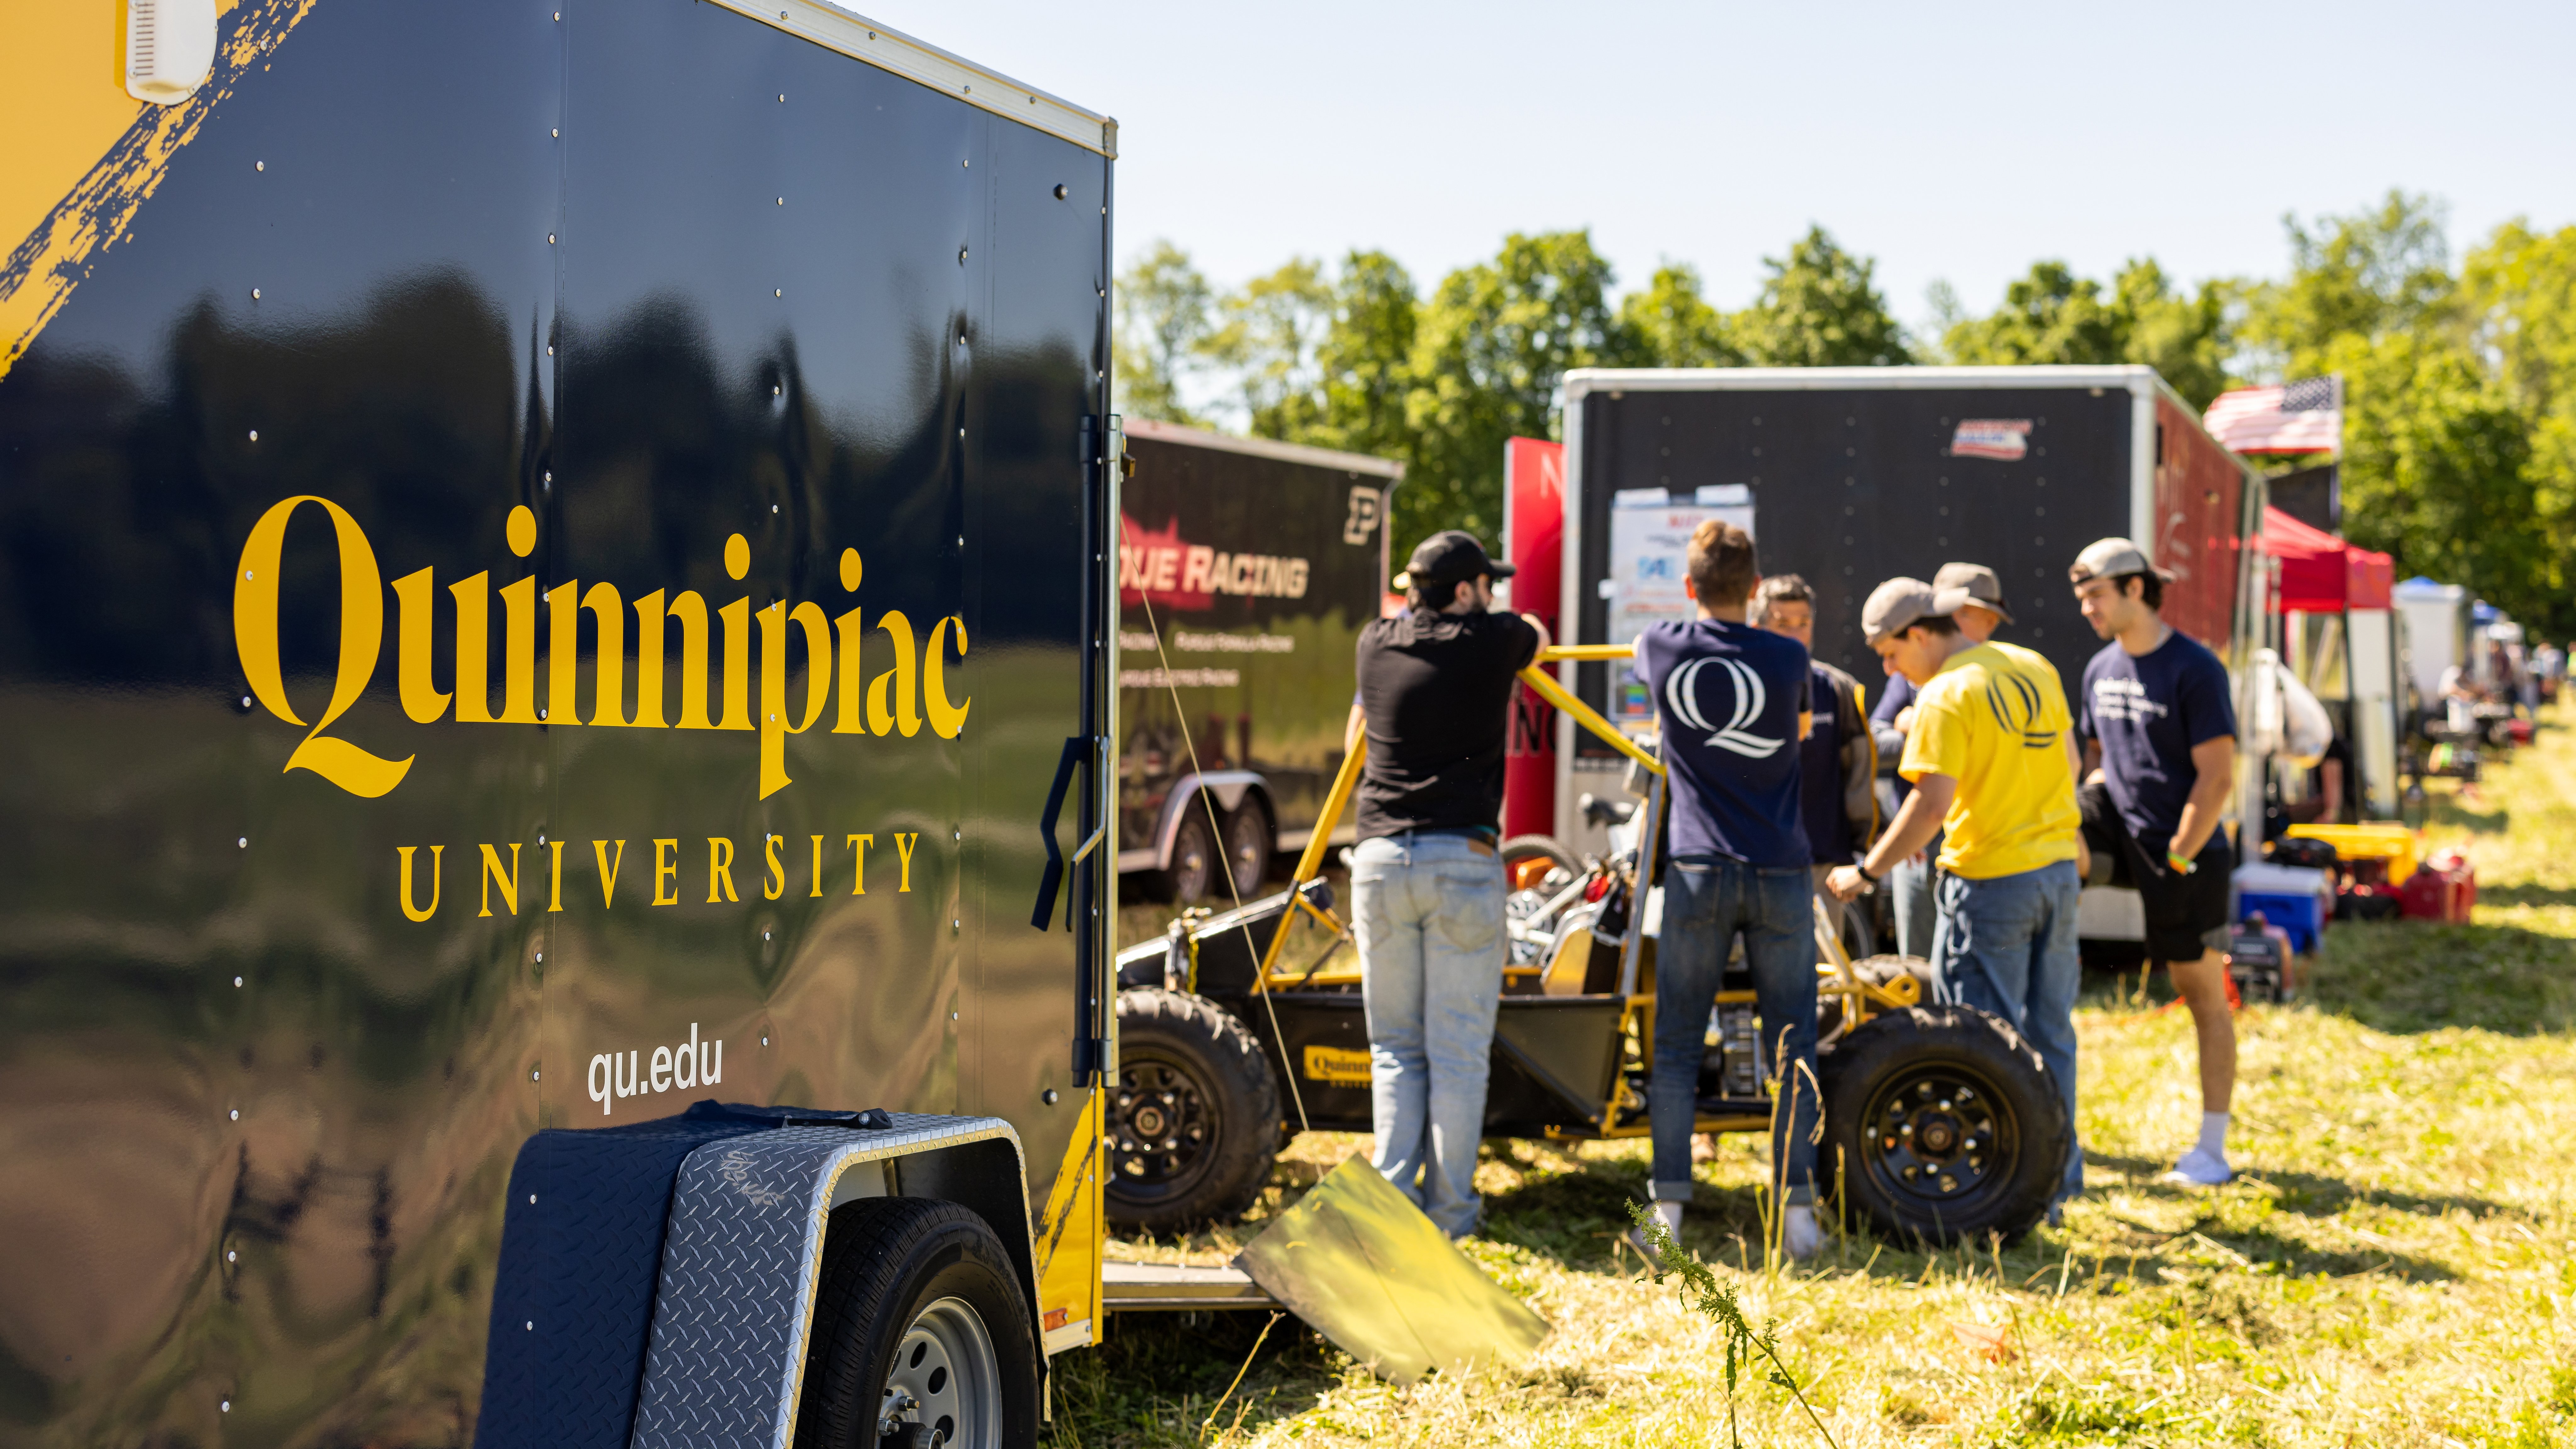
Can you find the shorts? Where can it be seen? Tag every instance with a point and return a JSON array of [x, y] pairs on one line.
[[2186, 914]]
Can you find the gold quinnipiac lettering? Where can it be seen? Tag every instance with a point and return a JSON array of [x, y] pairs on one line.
[[817, 892], [773, 883], [554, 892], [500, 867], [903, 845], [777, 639], [859, 871]]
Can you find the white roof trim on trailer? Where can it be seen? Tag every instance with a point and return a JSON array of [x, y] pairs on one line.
[[860, 38], [1262, 448]]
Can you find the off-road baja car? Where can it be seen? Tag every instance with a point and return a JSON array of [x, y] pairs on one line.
[[1941, 1122]]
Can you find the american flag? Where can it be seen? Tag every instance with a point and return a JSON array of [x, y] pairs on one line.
[[2304, 417]]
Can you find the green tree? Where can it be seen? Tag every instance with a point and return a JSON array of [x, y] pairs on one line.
[[1820, 307], [1268, 340], [2364, 275], [2437, 471], [1492, 344], [1366, 360], [1160, 331], [1671, 325], [2519, 292], [2054, 316]]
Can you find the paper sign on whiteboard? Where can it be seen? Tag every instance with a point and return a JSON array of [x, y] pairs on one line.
[[1650, 536]]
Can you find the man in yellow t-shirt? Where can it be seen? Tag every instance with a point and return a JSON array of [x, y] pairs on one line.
[[1993, 764]]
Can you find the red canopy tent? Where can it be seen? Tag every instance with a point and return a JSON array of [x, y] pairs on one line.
[[2320, 573]]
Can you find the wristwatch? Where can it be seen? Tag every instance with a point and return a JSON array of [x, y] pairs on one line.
[[1863, 867]]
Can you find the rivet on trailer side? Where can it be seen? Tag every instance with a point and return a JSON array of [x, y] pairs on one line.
[[557, 571]]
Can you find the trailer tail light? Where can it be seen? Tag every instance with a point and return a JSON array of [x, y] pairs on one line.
[[169, 48]]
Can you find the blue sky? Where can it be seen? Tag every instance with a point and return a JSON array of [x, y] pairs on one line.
[[1949, 142]]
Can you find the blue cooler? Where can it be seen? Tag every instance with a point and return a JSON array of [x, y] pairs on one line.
[[2294, 898]]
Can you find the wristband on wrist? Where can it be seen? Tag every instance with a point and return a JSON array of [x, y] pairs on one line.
[[2182, 864], [1862, 866]]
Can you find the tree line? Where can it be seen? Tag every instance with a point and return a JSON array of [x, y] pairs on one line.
[[2460, 380]]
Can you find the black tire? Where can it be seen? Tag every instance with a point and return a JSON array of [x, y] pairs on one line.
[[1193, 1124], [1192, 872], [917, 1297], [1937, 1095], [1249, 845], [1525, 847]]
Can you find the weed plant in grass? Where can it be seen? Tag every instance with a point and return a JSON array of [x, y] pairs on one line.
[[2392, 1266]]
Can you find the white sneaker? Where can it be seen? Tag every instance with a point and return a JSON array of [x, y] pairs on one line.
[[2200, 1169], [1800, 1236]]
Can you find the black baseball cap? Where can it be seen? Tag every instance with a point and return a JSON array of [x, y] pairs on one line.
[[1451, 556]]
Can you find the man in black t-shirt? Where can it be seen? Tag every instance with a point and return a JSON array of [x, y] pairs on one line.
[[1426, 881]]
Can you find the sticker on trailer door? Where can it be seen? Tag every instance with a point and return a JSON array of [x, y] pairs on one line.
[[2004, 438], [1649, 546]]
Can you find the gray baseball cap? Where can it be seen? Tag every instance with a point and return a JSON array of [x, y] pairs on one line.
[[1983, 588], [2110, 558], [1898, 603]]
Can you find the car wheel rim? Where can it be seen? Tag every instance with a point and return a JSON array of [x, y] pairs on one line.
[[1940, 1140], [946, 1379], [1243, 849], [1163, 1127]]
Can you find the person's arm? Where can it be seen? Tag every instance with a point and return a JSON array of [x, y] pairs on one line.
[[2083, 852], [2215, 760], [1357, 726], [1916, 822], [2330, 776]]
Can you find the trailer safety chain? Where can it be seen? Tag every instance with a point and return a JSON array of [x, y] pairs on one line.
[[1216, 834]]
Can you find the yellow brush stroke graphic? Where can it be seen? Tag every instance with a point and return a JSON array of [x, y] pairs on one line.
[[57, 253]]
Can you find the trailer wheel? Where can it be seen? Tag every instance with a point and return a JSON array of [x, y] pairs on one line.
[[921, 1334], [1248, 845], [1192, 872], [1194, 1120], [1942, 1124]]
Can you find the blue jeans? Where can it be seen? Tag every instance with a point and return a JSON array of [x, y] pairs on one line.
[[2006, 945], [1915, 912], [1428, 910], [1706, 902]]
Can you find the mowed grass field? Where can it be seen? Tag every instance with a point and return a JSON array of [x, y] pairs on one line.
[[2394, 1265]]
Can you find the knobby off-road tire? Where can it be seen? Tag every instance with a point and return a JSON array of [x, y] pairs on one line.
[[920, 1334], [1193, 1121], [1944, 1125], [1525, 847], [1877, 970]]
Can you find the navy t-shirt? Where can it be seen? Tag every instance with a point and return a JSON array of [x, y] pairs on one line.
[[1729, 697], [1892, 701], [1820, 775], [2148, 710]]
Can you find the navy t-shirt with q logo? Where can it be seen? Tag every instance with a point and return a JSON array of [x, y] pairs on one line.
[[1728, 698]]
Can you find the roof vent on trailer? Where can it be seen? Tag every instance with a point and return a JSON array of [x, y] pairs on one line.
[[169, 48]]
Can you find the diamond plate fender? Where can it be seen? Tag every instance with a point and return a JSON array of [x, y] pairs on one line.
[[745, 1243]]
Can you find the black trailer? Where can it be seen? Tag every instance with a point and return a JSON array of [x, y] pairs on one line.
[[552, 575], [1247, 569]]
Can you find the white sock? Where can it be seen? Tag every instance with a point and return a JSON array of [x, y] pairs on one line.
[[2213, 1134], [1671, 1213]]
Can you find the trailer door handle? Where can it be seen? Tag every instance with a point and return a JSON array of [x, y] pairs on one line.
[[1053, 875]]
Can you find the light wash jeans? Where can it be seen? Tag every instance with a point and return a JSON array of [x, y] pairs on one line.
[[2006, 945], [1429, 913], [1706, 902], [1915, 911]]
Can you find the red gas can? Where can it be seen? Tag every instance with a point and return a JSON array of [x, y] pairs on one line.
[[2444, 888]]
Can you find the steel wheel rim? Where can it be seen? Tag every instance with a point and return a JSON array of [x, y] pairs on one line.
[[1243, 836], [1163, 1129], [1940, 1139], [946, 1377]]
